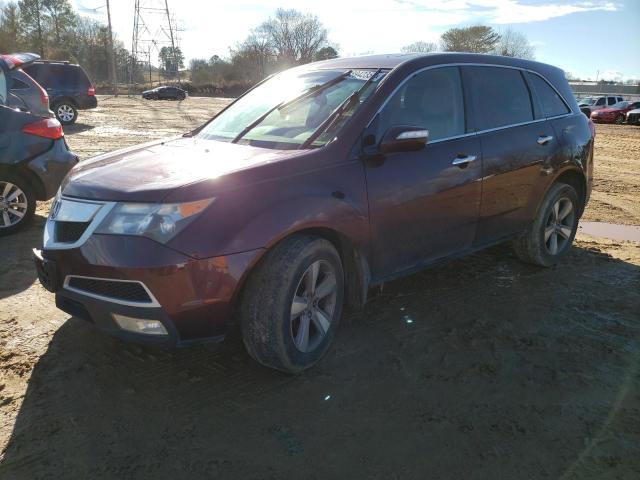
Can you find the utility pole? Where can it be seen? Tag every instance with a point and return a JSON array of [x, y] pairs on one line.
[[112, 53], [173, 45]]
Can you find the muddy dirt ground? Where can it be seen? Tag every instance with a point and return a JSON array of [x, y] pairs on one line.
[[482, 368]]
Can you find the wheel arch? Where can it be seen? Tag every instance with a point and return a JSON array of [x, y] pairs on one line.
[[28, 176], [65, 99], [576, 178], [354, 264]]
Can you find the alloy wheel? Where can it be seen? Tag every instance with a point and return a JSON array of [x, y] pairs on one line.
[[65, 113], [13, 204], [313, 306], [559, 226]]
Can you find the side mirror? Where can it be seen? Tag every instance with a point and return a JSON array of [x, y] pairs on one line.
[[404, 139]]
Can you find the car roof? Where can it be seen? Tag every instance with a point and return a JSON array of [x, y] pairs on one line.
[[393, 60]]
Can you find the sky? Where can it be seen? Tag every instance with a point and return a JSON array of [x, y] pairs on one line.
[[591, 39]]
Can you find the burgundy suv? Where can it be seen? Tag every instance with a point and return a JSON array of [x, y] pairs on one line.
[[312, 187]]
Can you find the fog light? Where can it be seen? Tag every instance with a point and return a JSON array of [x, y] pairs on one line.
[[139, 325]]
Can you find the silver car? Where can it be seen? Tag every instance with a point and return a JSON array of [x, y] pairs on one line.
[[633, 117]]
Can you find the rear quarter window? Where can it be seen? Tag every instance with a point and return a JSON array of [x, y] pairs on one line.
[[18, 85], [550, 102], [500, 96], [59, 76]]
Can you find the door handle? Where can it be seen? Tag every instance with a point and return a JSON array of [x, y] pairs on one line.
[[464, 160], [544, 139]]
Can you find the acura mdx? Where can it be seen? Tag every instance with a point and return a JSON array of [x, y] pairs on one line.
[[312, 187]]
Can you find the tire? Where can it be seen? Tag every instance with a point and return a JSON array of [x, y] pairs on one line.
[[273, 323], [66, 113], [11, 185], [537, 246], [619, 120]]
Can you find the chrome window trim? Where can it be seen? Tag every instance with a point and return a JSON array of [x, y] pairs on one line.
[[153, 304], [49, 240], [477, 132]]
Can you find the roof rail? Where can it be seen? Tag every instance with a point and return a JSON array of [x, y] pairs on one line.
[[65, 62]]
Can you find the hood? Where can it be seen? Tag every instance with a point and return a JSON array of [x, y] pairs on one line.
[[149, 172], [608, 110]]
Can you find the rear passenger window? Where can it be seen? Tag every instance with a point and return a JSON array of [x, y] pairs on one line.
[[612, 100], [500, 96], [551, 103], [19, 85], [431, 100]]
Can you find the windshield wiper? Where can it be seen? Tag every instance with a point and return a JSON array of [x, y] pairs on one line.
[[339, 111], [308, 93]]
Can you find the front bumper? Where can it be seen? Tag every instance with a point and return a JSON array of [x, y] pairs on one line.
[[193, 299], [52, 166]]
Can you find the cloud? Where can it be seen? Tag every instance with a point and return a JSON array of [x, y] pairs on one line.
[[357, 26], [510, 11]]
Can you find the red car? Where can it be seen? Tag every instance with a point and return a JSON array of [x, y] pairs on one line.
[[615, 113]]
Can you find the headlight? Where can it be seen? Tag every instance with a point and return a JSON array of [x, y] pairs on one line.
[[158, 221]]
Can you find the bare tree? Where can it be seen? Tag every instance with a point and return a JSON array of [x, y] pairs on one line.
[[294, 36], [420, 47], [476, 39], [514, 44]]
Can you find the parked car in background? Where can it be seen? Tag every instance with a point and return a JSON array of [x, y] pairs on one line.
[[26, 94], [34, 157], [68, 86], [633, 117], [315, 185], [589, 105], [165, 93], [616, 113]]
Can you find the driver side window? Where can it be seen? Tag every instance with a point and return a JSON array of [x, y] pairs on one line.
[[3, 88], [431, 100]]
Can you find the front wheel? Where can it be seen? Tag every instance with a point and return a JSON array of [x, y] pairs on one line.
[[66, 113], [619, 120], [292, 304], [17, 203], [553, 229]]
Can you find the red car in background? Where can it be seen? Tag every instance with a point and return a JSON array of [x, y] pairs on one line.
[[615, 113]]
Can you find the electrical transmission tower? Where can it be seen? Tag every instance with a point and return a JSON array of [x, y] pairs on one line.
[[153, 28]]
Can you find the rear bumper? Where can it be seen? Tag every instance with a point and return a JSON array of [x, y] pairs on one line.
[[52, 166], [193, 299], [87, 102]]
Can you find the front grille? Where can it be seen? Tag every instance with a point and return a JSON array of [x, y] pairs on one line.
[[69, 232], [114, 289]]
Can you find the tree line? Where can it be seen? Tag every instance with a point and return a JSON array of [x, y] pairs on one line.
[[478, 39], [55, 31]]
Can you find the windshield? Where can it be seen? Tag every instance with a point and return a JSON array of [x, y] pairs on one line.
[[292, 107], [587, 101]]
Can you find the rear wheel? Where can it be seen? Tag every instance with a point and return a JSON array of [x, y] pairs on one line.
[[553, 229], [292, 304], [66, 113], [17, 203], [619, 119]]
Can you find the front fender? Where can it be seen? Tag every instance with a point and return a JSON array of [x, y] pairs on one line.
[[261, 214]]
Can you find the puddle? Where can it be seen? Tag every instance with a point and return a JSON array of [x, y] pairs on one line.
[[611, 230]]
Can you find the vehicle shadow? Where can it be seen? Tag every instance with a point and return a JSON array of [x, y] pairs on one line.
[[481, 368], [16, 253], [78, 128]]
